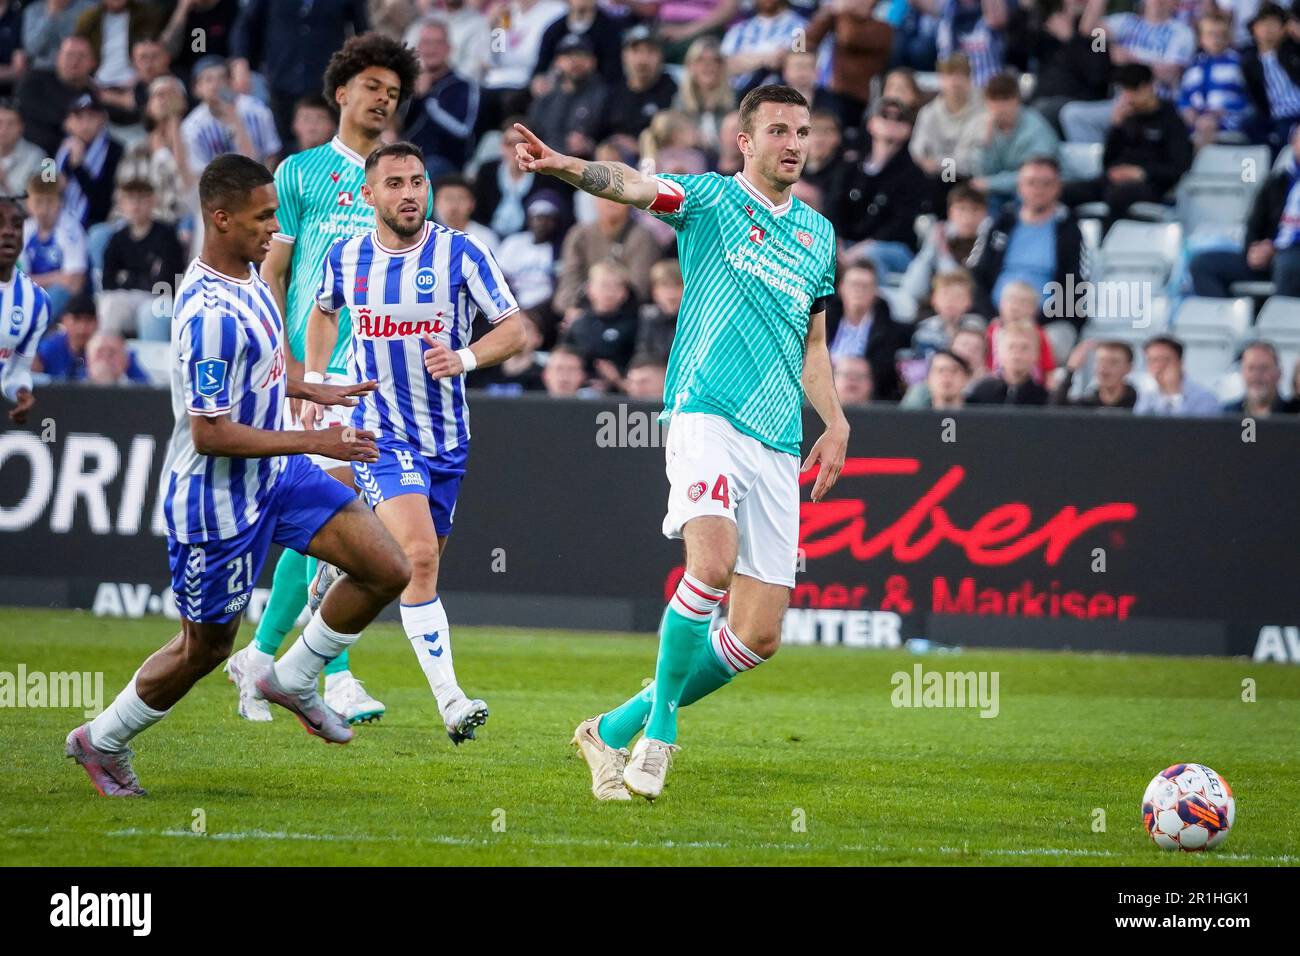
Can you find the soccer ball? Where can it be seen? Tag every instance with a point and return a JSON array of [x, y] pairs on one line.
[[1188, 807]]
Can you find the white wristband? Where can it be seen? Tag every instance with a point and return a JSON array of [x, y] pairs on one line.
[[314, 378], [468, 359]]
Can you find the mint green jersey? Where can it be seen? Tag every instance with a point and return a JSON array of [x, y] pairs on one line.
[[320, 198], [751, 273]]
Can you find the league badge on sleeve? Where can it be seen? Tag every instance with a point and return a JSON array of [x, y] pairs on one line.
[[211, 376]]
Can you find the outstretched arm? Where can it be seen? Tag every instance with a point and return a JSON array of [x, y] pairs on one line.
[[616, 181]]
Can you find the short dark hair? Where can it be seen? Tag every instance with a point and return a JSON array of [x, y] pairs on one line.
[[647, 359], [862, 263], [1268, 11], [365, 50], [1133, 76], [768, 93], [965, 192], [1043, 159], [83, 303], [228, 179], [1003, 86], [136, 185], [1121, 346], [1264, 344], [965, 366], [451, 181], [1167, 340], [314, 101], [398, 149]]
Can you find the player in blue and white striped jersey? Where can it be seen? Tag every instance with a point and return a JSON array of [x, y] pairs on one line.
[[413, 289], [236, 483], [24, 314]]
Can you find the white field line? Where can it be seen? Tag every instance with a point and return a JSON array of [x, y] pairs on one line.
[[282, 835]]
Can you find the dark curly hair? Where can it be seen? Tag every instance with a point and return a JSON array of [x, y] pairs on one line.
[[364, 51]]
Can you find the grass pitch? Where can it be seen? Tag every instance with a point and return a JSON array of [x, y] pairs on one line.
[[804, 761]]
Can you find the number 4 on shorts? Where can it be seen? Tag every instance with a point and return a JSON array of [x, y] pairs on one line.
[[721, 492]]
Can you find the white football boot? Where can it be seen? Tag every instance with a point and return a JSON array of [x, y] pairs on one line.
[[462, 716], [645, 772], [606, 762], [347, 697], [252, 705]]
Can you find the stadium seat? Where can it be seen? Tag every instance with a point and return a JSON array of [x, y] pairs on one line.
[[1207, 357], [1130, 243], [1232, 162], [1280, 314], [1080, 161], [154, 358], [1091, 229], [1199, 314], [1255, 290], [1119, 308], [1217, 202]]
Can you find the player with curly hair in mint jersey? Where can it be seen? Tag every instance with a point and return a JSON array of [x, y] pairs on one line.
[[757, 265]]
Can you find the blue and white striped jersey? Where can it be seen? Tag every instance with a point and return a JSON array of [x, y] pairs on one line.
[[24, 316], [228, 342], [435, 287], [206, 137]]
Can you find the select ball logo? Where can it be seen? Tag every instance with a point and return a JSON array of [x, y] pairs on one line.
[[1188, 807], [696, 491], [425, 280]]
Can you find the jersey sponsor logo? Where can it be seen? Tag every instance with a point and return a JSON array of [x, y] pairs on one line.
[[276, 372], [696, 491], [756, 234], [345, 197], [371, 326], [805, 239], [412, 478], [238, 603], [211, 376], [425, 280]]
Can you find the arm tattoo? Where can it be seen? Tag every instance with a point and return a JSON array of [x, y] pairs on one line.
[[602, 179]]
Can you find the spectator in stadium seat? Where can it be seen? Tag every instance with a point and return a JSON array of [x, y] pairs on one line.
[[573, 112], [1272, 74], [614, 235], [313, 123], [947, 378], [1038, 243], [824, 160], [604, 331], [968, 345], [216, 20], [949, 129], [530, 260], [951, 243], [672, 142], [113, 27], [1061, 50], [1173, 392], [1272, 242], [952, 297], [88, 159], [799, 72], [516, 31], [454, 206], [680, 22], [46, 24], [875, 201], [861, 47], [1212, 98], [161, 157], [291, 44], [565, 374], [657, 324], [1110, 369], [645, 377], [1261, 372], [1147, 148], [443, 112], [226, 121], [63, 355], [470, 36], [585, 19], [521, 372], [1156, 40], [900, 84], [501, 188], [854, 381], [646, 88], [108, 361], [755, 47], [54, 244], [972, 27], [863, 327], [1011, 135], [1013, 384], [705, 95], [1019, 307], [45, 97], [19, 159], [730, 159], [140, 257]]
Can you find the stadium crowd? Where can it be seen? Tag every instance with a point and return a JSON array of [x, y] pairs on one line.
[[1092, 203]]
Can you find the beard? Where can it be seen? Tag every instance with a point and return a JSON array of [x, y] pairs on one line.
[[401, 229]]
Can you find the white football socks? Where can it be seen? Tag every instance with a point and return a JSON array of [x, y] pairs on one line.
[[127, 716], [298, 669], [430, 636]]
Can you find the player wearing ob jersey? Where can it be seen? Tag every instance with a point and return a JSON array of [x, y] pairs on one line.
[[757, 265], [24, 314], [320, 201], [235, 483], [413, 289]]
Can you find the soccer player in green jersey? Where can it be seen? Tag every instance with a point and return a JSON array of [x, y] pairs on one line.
[[319, 191], [757, 266]]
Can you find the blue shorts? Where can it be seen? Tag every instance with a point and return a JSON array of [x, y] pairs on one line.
[[213, 580], [403, 470]]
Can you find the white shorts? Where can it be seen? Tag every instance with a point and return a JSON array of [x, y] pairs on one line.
[[715, 469], [331, 415]]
